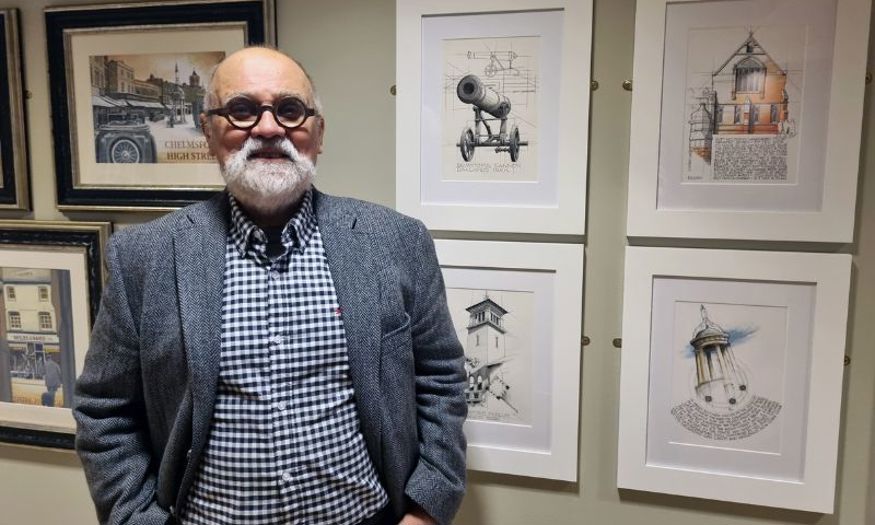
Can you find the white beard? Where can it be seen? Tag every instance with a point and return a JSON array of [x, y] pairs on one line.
[[264, 186]]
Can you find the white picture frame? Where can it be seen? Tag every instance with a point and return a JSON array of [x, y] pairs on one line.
[[714, 156], [536, 53], [744, 406], [524, 381]]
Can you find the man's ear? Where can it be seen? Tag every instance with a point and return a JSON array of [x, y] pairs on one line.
[[321, 132]]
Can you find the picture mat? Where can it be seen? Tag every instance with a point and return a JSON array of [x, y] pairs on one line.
[[129, 41], [780, 373], [801, 193], [535, 436], [74, 261], [547, 26]]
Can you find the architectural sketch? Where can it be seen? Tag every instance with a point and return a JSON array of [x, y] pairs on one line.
[[743, 105], [495, 328], [489, 112], [724, 406]]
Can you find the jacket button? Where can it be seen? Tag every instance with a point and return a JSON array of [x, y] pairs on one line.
[[172, 511], [188, 455]]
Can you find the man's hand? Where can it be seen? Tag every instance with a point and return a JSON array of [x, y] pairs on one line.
[[417, 516]]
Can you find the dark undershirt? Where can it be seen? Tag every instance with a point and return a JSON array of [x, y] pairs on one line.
[[275, 246]]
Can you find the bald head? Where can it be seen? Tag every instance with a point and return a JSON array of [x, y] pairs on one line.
[[235, 64]]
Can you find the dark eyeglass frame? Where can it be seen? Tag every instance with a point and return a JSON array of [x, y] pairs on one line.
[[225, 111]]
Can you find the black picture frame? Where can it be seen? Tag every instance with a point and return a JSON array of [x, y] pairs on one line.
[[90, 238], [257, 16], [14, 194]]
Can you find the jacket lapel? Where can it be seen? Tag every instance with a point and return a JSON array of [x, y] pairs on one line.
[[348, 246], [199, 252]]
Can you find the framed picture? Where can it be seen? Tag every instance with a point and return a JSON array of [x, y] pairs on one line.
[[127, 87], [731, 376], [13, 143], [51, 274], [493, 113], [518, 317], [746, 119]]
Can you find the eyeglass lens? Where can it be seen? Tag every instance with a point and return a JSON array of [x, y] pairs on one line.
[[288, 112]]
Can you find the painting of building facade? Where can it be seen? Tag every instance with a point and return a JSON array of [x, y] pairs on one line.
[[743, 104], [36, 337], [146, 107]]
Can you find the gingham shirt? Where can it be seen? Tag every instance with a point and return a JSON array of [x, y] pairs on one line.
[[284, 445]]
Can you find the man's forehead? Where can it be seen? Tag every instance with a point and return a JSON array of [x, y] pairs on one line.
[[254, 71]]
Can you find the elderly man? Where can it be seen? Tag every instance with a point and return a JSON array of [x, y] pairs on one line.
[[273, 355]]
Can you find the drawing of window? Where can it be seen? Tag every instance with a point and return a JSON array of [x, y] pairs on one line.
[[773, 114], [496, 341], [750, 74], [736, 118], [10, 293], [45, 321], [43, 293], [15, 320], [477, 340]]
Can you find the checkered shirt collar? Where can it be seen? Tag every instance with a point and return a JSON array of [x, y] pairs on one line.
[[250, 240]]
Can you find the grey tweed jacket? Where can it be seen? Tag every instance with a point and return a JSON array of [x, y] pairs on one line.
[[145, 397]]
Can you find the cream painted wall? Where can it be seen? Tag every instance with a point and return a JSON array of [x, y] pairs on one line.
[[349, 46]]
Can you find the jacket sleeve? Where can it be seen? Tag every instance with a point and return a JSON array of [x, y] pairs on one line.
[[438, 480], [111, 438]]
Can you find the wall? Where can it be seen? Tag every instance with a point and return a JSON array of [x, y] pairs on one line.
[[349, 47]]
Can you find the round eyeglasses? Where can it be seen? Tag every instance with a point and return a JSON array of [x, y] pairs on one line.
[[243, 113]]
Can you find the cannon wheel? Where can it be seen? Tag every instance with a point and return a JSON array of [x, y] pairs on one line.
[[466, 144], [514, 146]]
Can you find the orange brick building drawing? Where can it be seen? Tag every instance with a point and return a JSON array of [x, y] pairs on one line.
[[747, 96]]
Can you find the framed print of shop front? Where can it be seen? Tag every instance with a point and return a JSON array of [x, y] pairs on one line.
[[127, 87], [51, 276]]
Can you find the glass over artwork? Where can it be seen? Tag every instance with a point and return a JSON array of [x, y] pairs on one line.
[[37, 365]]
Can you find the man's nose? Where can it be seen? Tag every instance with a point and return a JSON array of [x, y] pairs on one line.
[[267, 127]]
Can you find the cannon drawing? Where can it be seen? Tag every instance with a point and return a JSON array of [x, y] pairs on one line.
[[483, 99]]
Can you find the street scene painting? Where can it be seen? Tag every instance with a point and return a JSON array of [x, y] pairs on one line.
[[495, 327], [146, 106], [728, 379], [37, 365], [490, 109], [743, 103]]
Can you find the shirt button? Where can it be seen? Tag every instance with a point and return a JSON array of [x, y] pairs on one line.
[[281, 406], [273, 274], [287, 476], [277, 340]]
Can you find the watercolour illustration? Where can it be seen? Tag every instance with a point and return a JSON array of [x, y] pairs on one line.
[[494, 327], [724, 405], [146, 107], [490, 111], [743, 104], [36, 337]]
